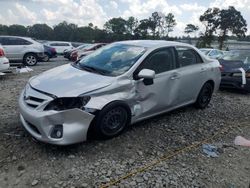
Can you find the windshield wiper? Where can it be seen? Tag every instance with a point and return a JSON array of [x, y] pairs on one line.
[[93, 69]]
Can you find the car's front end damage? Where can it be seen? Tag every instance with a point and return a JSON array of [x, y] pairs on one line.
[[59, 115], [56, 126]]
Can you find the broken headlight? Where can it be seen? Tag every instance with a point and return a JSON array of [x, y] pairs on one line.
[[66, 103]]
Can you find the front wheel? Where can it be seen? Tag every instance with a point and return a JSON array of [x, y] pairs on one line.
[[30, 59], [204, 96], [111, 121]]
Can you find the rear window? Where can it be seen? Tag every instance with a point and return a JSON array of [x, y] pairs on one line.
[[8, 41], [238, 55]]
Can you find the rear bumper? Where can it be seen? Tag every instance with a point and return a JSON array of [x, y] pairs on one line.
[[40, 124], [230, 82]]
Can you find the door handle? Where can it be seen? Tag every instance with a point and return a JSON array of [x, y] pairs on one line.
[[175, 77]]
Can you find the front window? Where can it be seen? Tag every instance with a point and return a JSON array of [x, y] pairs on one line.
[[112, 60], [160, 61], [238, 55]]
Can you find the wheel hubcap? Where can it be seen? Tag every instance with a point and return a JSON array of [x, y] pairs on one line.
[[114, 121], [30, 60], [206, 95], [46, 58]]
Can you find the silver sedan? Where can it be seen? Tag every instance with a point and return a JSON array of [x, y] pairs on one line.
[[117, 85]]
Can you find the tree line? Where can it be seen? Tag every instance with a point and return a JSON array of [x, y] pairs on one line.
[[218, 24]]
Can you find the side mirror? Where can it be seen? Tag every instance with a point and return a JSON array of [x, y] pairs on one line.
[[147, 75]]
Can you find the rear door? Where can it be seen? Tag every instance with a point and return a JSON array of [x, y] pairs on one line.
[[192, 74]]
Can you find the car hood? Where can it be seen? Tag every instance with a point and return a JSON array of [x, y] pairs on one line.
[[68, 81]]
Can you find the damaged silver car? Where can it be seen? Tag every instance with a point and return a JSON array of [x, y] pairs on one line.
[[117, 85]]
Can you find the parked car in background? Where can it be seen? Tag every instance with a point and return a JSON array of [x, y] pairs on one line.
[[60, 46], [4, 62], [76, 44], [212, 53], [235, 70], [49, 53], [22, 49], [117, 85], [67, 53], [75, 55]]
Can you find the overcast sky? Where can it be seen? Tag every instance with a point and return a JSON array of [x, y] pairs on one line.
[[82, 12]]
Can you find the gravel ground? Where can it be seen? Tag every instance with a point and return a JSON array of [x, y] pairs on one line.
[[26, 163]]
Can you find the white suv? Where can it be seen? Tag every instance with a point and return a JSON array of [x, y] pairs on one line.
[[60, 46], [22, 49]]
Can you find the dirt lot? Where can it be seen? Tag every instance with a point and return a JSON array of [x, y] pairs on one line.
[[26, 163]]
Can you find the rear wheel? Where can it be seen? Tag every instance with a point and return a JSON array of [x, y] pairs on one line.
[[30, 59], [111, 121], [46, 58], [204, 96]]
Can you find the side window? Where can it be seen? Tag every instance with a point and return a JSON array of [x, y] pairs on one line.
[[2, 41], [63, 44], [53, 44], [213, 52], [160, 61], [187, 56], [9, 41], [5, 41], [99, 46], [22, 42]]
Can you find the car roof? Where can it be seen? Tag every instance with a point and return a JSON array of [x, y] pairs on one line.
[[16, 36], [49, 42], [152, 43]]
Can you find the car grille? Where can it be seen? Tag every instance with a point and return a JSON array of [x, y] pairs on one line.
[[33, 102]]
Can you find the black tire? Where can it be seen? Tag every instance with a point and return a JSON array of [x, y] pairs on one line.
[[111, 121], [30, 59], [204, 96], [46, 58]]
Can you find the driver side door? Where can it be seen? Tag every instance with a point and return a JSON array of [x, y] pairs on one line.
[[162, 94]]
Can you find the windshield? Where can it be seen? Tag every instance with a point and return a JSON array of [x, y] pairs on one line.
[[238, 55], [83, 46], [204, 51], [113, 59]]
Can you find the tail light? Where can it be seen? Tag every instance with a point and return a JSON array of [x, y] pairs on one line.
[[1, 52], [221, 68], [53, 49]]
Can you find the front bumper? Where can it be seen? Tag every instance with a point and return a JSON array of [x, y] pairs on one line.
[[40, 124]]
